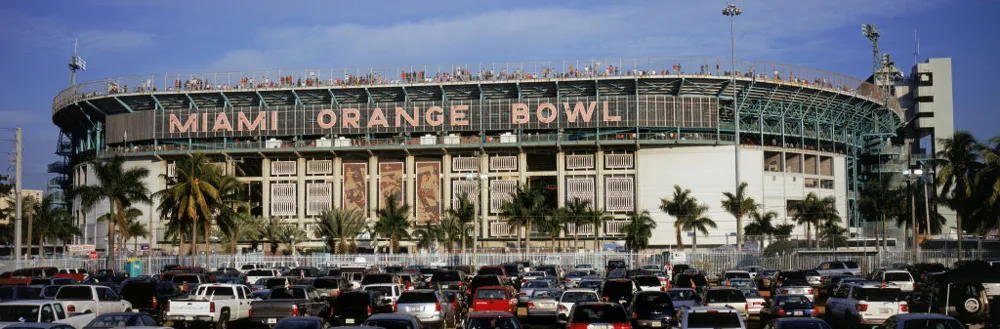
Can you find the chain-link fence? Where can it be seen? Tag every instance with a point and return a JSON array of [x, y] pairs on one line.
[[712, 262]]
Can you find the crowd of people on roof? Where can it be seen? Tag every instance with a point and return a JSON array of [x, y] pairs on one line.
[[460, 74]]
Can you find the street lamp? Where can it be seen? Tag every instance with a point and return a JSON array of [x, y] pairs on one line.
[[292, 239], [215, 243], [732, 11], [913, 173]]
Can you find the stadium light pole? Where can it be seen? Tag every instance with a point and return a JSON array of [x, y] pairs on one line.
[[870, 32], [732, 11]]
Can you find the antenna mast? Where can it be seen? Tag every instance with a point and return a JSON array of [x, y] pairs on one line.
[[76, 63]]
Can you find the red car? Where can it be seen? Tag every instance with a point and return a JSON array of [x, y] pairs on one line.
[[603, 313], [494, 298]]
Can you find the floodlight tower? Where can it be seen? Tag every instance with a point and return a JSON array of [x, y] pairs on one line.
[[76, 63], [732, 11]]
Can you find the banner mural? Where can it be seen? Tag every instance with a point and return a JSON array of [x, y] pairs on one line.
[[428, 192], [390, 182], [356, 187]]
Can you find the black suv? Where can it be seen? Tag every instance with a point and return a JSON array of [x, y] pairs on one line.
[[354, 307], [149, 295], [963, 293]]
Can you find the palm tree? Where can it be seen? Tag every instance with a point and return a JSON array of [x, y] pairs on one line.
[[339, 225], [639, 230], [596, 218], [783, 231], [451, 231], [28, 206], [251, 228], [274, 232], [576, 212], [464, 214], [195, 193], [880, 200], [553, 225], [393, 222], [53, 222], [957, 162], [804, 214], [427, 236], [131, 215], [526, 204], [832, 233], [696, 221], [761, 226], [118, 186], [135, 229], [680, 207], [739, 205]]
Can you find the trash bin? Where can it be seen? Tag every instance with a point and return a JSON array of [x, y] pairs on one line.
[[133, 266]]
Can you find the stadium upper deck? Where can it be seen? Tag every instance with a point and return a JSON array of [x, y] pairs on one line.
[[641, 98]]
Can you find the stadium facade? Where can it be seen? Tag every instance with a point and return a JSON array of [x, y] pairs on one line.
[[618, 133]]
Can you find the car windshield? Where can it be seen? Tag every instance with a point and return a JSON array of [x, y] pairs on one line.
[[491, 270], [510, 268], [932, 323], [713, 320], [75, 292], [536, 284], [816, 324], [534, 274], [544, 294], [724, 296], [740, 275], [111, 321], [446, 276], [794, 283], [18, 313], [492, 323], [260, 273], [685, 280], [390, 324], [488, 294], [417, 297], [898, 276], [576, 274], [218, 291], [20, 292], [185, 279], [617, 288], [326, 283], [386, 290], [682, 294], [880, 294], [590, 284], [655, 300], [287, 293], [792, 300], [578, 297], [751, 293], [605, 313], [811, 273], [647, 281]]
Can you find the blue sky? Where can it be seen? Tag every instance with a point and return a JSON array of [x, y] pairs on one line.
[[120, 37]]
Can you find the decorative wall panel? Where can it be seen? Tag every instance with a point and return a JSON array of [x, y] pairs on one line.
[[355, 187], [428, 192], [390, 182]]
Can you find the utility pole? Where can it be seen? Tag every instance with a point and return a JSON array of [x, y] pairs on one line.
[[732, 11], [17, 193]]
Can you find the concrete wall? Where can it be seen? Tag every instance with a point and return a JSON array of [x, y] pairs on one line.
[[94, 231]]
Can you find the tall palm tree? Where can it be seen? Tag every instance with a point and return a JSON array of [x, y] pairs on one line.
[[427, 236], [195, 193], [338, 226], [576, 211], [680, 207], [28, 206], [987, 182], [393, 222], [805, 215], [639, 230], [831, 232], [131, 215], [957, 161], [53, 222], [251, 229], [274, 233], [118, 186], [135, 229], [553, 225], [597, 218], [696, 221], [739, 205], [290, 233], [761, 226], [450, 232], [783, 231], [526, 204], [880, 200], [464, 213]]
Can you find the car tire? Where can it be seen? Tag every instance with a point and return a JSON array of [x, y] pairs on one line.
[[223, 322], [969, 308]]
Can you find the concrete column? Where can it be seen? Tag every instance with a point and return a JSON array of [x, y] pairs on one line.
[[265, 185], [338, 183], [373, 201], [522, 167], [635, 180], [300, 190], [599, 187], [410, 182], [484, 196], [445, 184], [561, 178]]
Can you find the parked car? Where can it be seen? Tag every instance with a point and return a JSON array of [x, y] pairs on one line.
[[544, 302], [618, 291], [16, 292], [796, 287], [77, 274], [765, 278], [393, 321], [788, 306], [839, 267], [727, 297], [457, 299], [301, 322], [149, 295], [755, 302], [574, 277], [921, 320], [430, 306], [215, 304], [491, 320], [898, 278], [798, 323], [252, 276], [40, 311], [711, 317], [571, 297], [284, 302], [326, 286], [652, 309], [697, 282], [494, 298], [648, 283], [79, 299], [354, 307], [961, 295], [447, 280], [390, 291], [482, 281], [591, 284], [594, 314], [814, 278], [862, 304], [122, 320], [684, 297], [528, 288]]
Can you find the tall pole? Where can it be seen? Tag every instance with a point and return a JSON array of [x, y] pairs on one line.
[[17, 193], [732, 11], [927, 210]]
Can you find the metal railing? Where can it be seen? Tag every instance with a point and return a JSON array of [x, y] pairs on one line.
[[713, 262], [466, 73]]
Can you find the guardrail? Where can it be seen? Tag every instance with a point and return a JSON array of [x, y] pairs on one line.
[[461, 73]]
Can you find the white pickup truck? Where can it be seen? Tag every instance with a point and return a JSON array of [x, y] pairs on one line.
[[86, 298], [213, 303], [39, 311]]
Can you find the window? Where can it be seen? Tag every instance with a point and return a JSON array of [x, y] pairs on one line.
[[491, 294], [147, 320], [713, 320], [604, 313], [105, 295], [240, 293], [75, 293], [13, 313], [578, 297], [420, 297], [47, 314], [60, 313]]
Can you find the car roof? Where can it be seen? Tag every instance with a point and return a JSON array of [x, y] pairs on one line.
[[580, 290], [650, 292], [493, 287], [897, 271], [489, 314], [678, 289], [29, 302], [705, 309], [721, 288], [382, 285], [916, 316], [800, 319], [392, 316]]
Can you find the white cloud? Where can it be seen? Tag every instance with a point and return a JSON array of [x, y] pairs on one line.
[[640, 29]]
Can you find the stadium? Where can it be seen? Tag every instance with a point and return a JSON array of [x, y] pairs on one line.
[[617, 133]]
